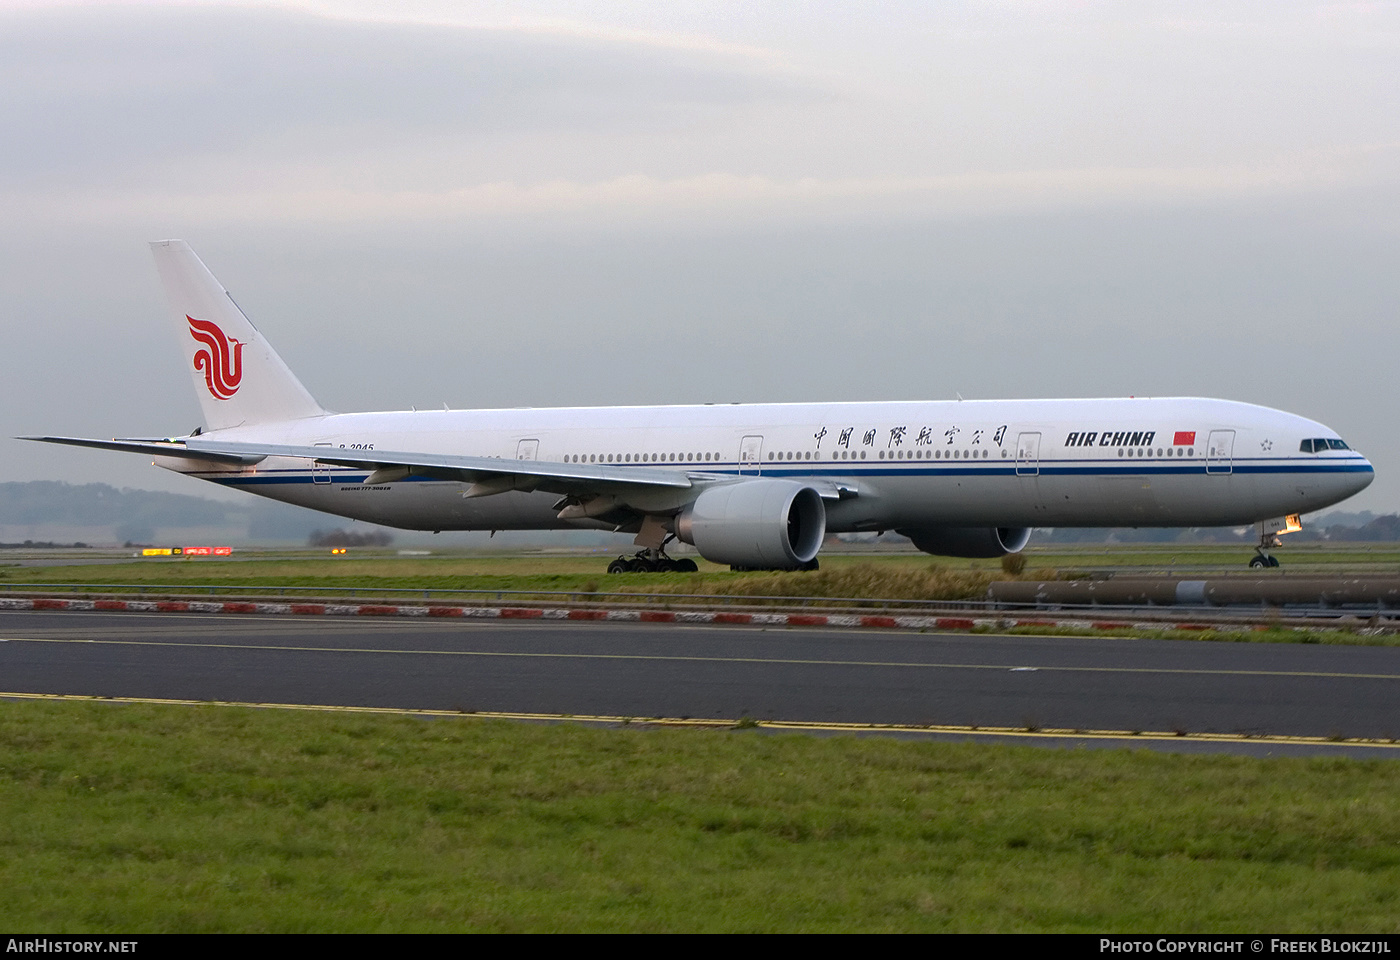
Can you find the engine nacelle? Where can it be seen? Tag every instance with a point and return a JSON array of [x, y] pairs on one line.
[[973, 542], [759, 523]]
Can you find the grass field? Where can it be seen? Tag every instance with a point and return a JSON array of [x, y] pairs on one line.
[[904, 578], [898, 576], [193, 819], [154, 818]]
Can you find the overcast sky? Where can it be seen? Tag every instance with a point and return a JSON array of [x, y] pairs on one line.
[[535, 203]]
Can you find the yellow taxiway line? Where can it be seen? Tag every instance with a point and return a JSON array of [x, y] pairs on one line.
[[813, 726]]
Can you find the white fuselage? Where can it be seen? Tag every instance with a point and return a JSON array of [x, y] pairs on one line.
[[1009, 463], [756, 486]]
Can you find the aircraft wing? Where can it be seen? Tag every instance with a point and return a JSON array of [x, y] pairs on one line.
[[454, 466], [487, 474], [158, 448]]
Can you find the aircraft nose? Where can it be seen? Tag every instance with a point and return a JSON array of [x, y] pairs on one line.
[[1363, 475], [1348, 477]]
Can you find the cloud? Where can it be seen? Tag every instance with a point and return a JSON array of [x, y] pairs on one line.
[[641, 197], [570, 201], [108, 95], [222, 115]]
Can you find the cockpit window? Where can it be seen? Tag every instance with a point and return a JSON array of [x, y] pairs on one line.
[[1320, 444]]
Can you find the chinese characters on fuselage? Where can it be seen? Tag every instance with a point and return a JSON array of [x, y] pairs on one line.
[[898, 435]]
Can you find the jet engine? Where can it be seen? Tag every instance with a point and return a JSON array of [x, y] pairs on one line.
[[973, 542], [760, 524]]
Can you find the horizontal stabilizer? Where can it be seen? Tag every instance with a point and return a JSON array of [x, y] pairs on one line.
[[159, 448]]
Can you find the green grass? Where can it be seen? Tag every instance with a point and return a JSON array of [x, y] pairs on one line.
[[893, 577], [192, 819], [897, 576]]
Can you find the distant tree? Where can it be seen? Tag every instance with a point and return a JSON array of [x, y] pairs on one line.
[[350, 538], [270, 520], [136, 530], [1384, 528], [52, 501]]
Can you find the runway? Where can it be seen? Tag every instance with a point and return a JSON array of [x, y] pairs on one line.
[[1237, 692]]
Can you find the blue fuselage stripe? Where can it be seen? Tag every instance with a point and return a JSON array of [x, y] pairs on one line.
[[855, 468]]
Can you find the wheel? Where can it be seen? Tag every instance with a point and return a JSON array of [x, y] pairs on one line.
[[1256, 562], [811, 565], [640, 565], [1273, 561], [620, 565], [686, 565]]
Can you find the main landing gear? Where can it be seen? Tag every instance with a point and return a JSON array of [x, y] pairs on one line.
[[652, 561]]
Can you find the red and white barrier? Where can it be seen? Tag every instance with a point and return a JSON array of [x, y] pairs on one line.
[[721, 617]]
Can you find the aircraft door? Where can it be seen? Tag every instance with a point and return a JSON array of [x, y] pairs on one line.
[[527, 450], [1028, 455], [751, 456], [1220, 451], [320, 473]]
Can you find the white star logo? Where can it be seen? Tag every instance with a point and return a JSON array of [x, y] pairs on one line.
[[1267, 445]]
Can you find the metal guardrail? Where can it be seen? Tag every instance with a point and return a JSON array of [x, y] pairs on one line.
[[1238, 614]]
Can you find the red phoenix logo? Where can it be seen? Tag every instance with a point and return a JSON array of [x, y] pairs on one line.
[[220, 359]]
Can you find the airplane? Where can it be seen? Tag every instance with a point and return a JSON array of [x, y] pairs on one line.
[[754, 486]]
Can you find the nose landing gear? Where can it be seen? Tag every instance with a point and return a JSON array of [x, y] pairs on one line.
[[1262, 557], [1269, 531]]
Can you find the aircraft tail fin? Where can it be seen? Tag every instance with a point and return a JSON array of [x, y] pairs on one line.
[[238, 377]]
